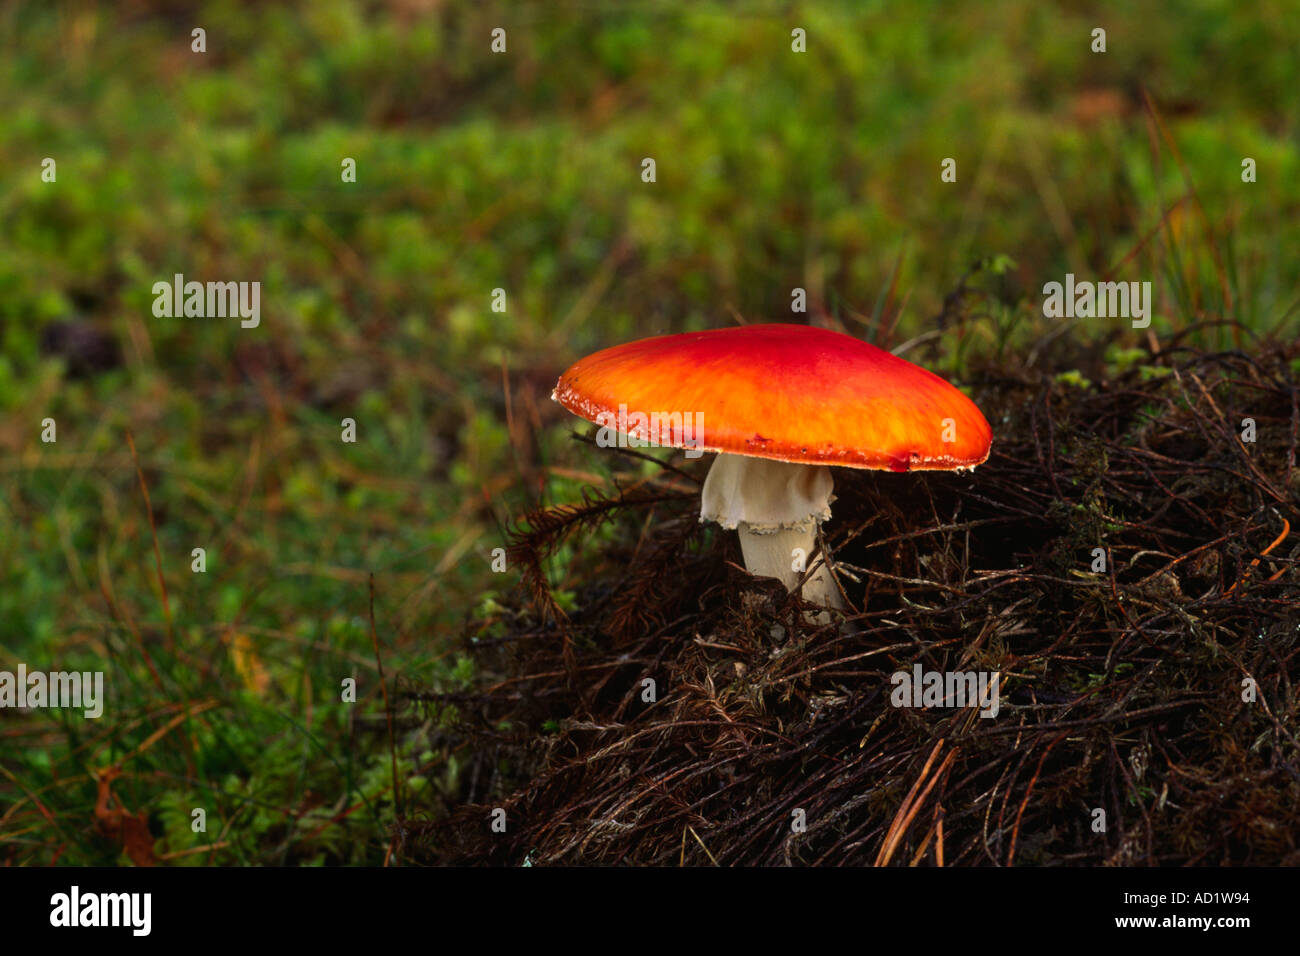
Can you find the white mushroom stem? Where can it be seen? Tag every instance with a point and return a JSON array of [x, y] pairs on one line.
[[776, 507]]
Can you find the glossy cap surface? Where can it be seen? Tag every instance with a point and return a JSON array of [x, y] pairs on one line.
[[785, 392]]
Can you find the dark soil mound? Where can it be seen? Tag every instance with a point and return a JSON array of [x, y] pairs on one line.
[[1148, 712]]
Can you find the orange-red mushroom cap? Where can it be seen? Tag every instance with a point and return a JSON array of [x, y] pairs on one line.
[[791, 393]]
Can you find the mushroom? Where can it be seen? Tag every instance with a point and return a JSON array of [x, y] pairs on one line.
[[779, 404]]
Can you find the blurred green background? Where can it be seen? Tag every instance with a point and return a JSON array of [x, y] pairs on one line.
[[519, 171]]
